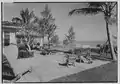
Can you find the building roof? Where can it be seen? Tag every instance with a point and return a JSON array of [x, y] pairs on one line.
[[13, 27], [10, 25]]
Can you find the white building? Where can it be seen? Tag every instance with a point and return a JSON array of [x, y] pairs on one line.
[[9, 33]]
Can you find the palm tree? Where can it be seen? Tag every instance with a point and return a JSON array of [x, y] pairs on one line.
[[108, 9], [25, 20]]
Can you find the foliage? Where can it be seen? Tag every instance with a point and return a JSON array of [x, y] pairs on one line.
[[70, 38], [48, 21], [65, 42], [40, 26], [55, 39], [27, 25], [51, 30], [71, 35], [35, 26], [109, 9], [98, 45], [45, 25]]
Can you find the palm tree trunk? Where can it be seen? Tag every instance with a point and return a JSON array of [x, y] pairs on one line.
[[110, 43]]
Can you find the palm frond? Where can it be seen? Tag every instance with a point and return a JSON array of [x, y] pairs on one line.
[[95, 4], [16, 19], [86, 11], [115, 37], [36, 19], [27, 14], [22, 14], [32, 14]]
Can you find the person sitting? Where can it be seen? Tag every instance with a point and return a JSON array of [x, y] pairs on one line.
[[86, 58], [65, 60], [36, 46], [69, 59]]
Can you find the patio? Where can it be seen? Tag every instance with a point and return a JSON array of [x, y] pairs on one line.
[[46, 68]]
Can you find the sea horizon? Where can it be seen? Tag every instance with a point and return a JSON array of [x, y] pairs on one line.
[[90, 43]]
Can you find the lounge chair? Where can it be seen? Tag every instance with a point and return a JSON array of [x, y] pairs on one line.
[[84, 56], [87, 57], [70, 60], [45, 52]]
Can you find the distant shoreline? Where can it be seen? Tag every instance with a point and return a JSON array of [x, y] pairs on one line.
[[91, 43]]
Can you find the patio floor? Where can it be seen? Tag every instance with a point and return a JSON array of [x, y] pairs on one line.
[[46, 68]]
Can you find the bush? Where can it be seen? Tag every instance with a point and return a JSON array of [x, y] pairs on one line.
[[95, 50], [23, 52], [98, 45], [77, 51]]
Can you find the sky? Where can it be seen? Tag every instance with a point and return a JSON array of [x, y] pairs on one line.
[[87, 28]]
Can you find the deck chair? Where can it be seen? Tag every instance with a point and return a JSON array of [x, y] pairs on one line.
[[10, 53], [70, 60], [77, 53], [65, 61], [86, 58]]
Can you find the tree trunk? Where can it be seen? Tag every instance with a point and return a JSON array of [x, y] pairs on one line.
[[110, 43], [41, 42], [28, 43], [29, 47]]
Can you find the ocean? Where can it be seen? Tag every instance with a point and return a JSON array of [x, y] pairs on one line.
[[91, 43]]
